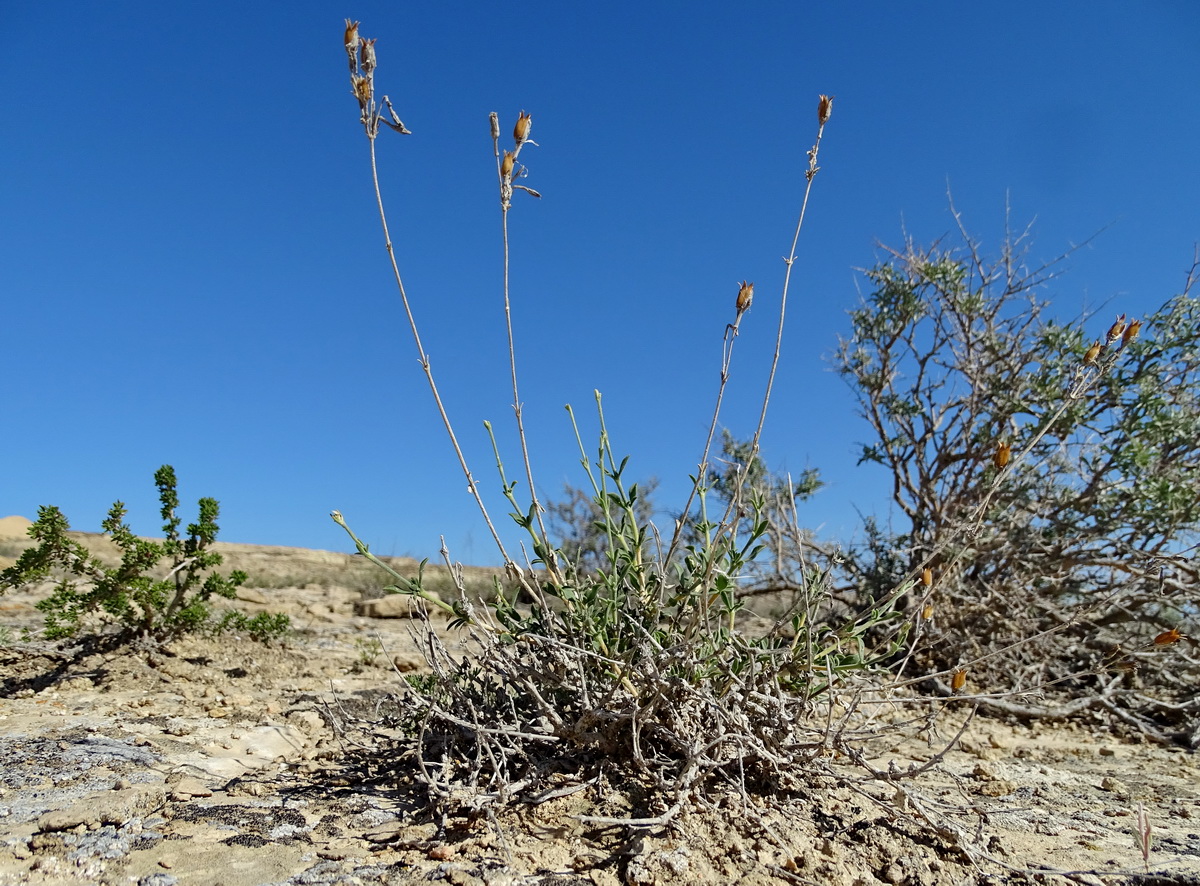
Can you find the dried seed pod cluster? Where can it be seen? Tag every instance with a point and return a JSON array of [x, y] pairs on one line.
[[361, 54], [927, 583], [1122, 331], [1118, 337], [509, 168]]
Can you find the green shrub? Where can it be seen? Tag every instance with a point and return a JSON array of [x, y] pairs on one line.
[[150, 603]]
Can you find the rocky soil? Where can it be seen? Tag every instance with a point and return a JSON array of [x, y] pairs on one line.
[[230, 762]]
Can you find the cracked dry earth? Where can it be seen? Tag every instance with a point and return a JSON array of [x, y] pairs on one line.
[[224, 762]]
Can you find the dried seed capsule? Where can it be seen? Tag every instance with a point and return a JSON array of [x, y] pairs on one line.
[[362, 90], [352, 41], [824, 109], [367, 56], [494, 118], [1001, 456], [959, 680], [1114, 331], [927, 612], [507, 164], [744, 297], [1092, 353], [927, 577], [1131, 332], [521, 130], [1166, 638]]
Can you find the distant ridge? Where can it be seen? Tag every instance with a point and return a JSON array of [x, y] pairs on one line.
[[14, 527]]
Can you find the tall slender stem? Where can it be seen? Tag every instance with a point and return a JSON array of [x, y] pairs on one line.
[[702, 468], [549, 560], [731, 517], [787, 279], [509, 563]]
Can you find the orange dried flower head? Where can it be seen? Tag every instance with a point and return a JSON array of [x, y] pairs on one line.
[[1131, 331], [1002, 456], [1114, 331], [521, 130], [744, 297], [1166, 638], [824, 109], [959, 680], [352, 41], [1092, 353], [927, 577], [362, 90], [507, 164]]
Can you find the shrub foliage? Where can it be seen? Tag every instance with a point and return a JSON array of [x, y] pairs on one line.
[[158, 589]]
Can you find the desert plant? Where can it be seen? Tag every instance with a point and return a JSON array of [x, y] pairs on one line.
[[742, 475], [148, 608], [631, 657], [369, 649], [1071, 460], [580, 529], [577, 525], [1143, 835]]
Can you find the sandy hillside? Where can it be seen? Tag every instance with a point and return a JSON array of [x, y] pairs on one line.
[[229, 762]]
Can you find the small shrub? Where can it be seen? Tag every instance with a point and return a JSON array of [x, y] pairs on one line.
[[261, 627], [149, 608], [623, 651], [369, 649]]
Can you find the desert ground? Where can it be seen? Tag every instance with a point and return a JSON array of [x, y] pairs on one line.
[[225, 761]]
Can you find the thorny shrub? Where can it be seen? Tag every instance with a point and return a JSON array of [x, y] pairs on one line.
[[1073, 459]]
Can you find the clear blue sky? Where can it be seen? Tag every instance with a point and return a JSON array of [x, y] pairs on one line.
[[192, 271]]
